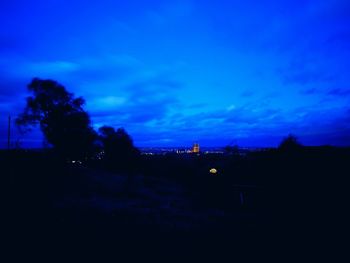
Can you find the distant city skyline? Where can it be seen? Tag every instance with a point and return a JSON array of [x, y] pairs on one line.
[[177, 72]]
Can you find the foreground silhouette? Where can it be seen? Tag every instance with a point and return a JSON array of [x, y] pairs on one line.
[[173, 203], [67, 127], [63, 121], [290, 144], [119, 150]]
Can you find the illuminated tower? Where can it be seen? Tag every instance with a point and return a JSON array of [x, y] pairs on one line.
[[195, 148]]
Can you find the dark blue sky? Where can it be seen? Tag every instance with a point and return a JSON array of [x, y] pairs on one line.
[[175, 72]]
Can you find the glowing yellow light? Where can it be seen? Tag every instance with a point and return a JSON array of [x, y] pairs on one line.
[[195, 148], [213, 171]]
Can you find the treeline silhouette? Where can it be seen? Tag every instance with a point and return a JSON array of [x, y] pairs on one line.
[[67, 126]]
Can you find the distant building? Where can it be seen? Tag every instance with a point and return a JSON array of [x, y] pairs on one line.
[[195, 148]]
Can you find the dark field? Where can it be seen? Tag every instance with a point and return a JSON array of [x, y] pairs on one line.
[[261, 203]]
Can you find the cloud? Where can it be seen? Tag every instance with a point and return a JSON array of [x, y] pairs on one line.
[[305, 70], [48, 68], [327, 92], [252, 126], [108, 67], [10, 44], [129, 92], [10, 88], [16, 73], [310, 91], [306, 77], [311, 43], [142, 102], [106, 103], [247, 93], [12, 94], [338, 92]]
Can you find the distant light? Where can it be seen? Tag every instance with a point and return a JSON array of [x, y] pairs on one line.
[[195, 148], [213, 171], [73, 161]]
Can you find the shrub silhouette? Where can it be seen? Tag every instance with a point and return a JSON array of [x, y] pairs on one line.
[[290, 144], [119, 150], [63, 121]]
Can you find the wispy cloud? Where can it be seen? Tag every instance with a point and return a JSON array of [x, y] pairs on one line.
[[345, 92]]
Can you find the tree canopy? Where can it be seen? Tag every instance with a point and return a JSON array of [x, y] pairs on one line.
[[62, 119], [118, 146]]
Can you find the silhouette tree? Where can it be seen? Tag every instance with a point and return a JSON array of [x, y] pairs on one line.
[[119, 150], [290, 144], [63, 121]]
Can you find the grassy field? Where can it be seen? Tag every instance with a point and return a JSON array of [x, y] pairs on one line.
[[172, 202]]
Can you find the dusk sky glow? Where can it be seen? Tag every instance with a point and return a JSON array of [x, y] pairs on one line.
[[175, 72]]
